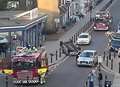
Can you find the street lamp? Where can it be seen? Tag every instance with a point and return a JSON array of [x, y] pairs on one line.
[[91, 7], [68, 2]]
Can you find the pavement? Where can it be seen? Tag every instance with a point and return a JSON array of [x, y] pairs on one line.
[[115, 70], [52, 46]]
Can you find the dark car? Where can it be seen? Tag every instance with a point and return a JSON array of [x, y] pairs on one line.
[[115, 42]]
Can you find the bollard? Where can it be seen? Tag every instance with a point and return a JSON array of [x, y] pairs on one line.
[[56, 54], [74, 38], [114, 53], [111, 1], [119, 67], [60, 52], [111, 63], [107, 62], [61, 43], [104, 56], [51, 54], [109, 55], [6, 81], [77, 34]]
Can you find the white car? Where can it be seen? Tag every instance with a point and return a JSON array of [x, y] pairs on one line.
[[83, 38], [87, 57]]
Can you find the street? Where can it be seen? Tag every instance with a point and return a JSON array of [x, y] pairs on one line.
[[68, 74]]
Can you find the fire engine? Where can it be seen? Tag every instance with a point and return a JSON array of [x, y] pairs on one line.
[[28, 66], [102, 21]]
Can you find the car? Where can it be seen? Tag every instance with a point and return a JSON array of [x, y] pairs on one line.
[[105, 15], [103, 20], [87, 58], [114, 43], [83, 38], [101, 24]]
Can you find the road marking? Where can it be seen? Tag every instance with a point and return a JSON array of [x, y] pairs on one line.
[[57, 64]]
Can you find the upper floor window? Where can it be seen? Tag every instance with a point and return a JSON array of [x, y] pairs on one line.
[[17, 4]]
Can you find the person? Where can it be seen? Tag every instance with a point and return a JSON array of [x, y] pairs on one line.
[[28, 45], [100, 78], [91, 78]]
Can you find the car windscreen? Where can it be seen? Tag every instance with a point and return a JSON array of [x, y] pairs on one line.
[[115, 42], [86, 54], [100, 20], [23, 65], [83, 36]]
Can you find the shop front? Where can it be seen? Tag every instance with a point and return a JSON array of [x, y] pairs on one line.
[[30, 32]]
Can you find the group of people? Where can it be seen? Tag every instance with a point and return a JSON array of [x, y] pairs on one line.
[[92, 78]]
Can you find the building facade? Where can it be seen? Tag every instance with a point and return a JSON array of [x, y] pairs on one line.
[[50, 7], [26, 25], [68, 9]]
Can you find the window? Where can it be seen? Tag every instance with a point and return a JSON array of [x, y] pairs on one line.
[[11, 5], [86, 54], [23, 65], [83, 36]]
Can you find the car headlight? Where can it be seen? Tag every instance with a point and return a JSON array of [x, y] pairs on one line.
[[98, 16], [94, 27], [110, 20], [107, 27]]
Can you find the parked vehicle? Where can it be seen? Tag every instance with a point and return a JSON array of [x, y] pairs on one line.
[[83, 38], [114, 43], [87, 58]]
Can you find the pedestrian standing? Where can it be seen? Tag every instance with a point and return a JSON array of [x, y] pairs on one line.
[[100, 78], [91, 78]]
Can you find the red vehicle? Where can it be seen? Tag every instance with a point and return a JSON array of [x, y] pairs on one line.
[[105, 15], [102, 21], [28, 67], [101, 24]]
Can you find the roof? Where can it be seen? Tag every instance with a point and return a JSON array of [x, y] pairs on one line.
[[89, 51], [84, 34], [20, 57], [7, 21]]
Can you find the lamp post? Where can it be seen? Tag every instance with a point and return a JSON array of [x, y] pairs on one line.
[[68, 2], [90, 7]]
